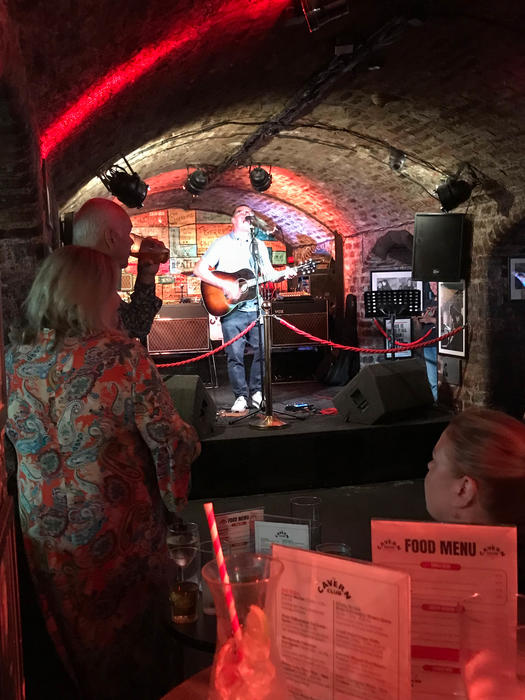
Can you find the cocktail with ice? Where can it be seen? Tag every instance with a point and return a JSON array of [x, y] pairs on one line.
[[246, 664]]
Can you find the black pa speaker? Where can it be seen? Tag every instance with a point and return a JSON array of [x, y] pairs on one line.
[[385, 391], [193, 402], [440, 248]]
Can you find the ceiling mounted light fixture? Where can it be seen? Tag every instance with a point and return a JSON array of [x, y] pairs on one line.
[[396, 160], [127, 187], [260, 178], [320, 12], [454, 191], [196, 182]]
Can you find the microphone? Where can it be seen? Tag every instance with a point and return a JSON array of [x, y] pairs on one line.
[[259, 223]]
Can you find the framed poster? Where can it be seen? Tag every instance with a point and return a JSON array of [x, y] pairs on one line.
[[402, 333], [385, 280], [517, 279], [451, 314], [278, 257]]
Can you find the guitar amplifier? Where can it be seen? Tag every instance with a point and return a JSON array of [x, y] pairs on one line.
[[180, 328], [307, 314]]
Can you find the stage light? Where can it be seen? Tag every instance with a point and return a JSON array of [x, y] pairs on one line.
[[196, 182], [260, 178], [320, 12], [453, 192], [128, 188], [396, 160]]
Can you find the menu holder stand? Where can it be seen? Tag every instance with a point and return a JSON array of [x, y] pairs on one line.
[[282, 529], [392, 304]]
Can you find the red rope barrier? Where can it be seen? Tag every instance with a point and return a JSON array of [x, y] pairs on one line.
[[412, 344], [367, 350], [211, 352], [415, 344]]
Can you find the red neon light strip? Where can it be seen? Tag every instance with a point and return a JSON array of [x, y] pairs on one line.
[[121, 76]]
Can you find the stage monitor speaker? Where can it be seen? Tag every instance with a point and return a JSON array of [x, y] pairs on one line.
[[440, 248], [309, 315], [193, 402], [172, 335], [385, 391]]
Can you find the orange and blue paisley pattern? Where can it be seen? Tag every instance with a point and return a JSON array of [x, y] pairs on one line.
[[102, 453]]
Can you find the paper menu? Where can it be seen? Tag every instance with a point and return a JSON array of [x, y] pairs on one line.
[[447, 563], [237, 528], [343, 627]]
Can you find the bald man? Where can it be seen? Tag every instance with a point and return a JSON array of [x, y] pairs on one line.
[[103, 225]]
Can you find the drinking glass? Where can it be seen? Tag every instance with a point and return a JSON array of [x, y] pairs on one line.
[[183, 532], [248, 667], [208, 554], [338, 548], [184, 590], [308, 508], [184, 550], [492, 648], [152, 253]]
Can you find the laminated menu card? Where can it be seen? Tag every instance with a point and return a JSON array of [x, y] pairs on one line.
[[237, 528], [343, 627], [447, 563]]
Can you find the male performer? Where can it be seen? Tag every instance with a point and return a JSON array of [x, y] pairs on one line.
[[230, 253], [105, 226]]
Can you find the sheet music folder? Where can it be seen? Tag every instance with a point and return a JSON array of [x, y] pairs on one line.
[[403, 303]]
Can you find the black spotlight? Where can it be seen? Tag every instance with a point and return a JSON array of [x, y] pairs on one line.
[[128, 188], [453, 192], [196, 183], [260, 178]]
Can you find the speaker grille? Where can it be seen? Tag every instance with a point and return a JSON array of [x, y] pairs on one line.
[[439, 249], [172, 335], [313, 323]]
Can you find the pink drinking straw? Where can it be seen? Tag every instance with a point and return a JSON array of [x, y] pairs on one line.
[[225, 579]]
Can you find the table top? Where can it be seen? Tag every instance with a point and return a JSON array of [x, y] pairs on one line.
[[194, 688], [345, 515]]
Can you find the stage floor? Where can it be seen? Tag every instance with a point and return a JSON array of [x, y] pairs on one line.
[[314, 449]]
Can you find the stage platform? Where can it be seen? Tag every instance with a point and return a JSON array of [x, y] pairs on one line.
[[314, 450]]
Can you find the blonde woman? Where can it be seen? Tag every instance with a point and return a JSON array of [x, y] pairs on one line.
[[102, 453]]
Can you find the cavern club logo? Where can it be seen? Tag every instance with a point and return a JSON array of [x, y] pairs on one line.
[[282, 535], [333, 587]]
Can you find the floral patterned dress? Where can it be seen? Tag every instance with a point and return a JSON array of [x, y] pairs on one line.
[[102, 453]]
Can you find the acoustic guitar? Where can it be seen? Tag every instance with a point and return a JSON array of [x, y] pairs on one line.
[[218, 304]]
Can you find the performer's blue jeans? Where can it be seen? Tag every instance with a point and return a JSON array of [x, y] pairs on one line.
[[430, 353], [232, 324]]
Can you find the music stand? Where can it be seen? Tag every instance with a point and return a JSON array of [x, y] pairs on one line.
[[392, 303]]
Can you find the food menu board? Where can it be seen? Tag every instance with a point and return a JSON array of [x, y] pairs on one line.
[[446, 563], [343, 627]]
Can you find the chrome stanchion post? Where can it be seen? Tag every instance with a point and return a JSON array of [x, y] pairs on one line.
[[268, 420]]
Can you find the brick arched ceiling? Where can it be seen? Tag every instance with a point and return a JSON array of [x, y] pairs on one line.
[[234, 81]]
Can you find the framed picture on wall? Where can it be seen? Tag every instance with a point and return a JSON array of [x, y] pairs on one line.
[[402, 333], [385, 280], [278, 257], [517, 279], [452, 312]]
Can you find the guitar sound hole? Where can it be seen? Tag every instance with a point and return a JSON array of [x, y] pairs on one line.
[[242, 285]]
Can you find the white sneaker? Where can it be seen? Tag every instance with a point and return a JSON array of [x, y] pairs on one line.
[[239, 405], [257, 399]]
